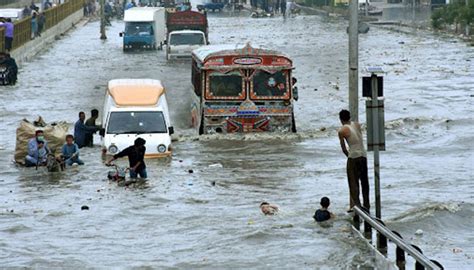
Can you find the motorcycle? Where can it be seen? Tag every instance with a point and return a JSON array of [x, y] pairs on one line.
[[119, 175]]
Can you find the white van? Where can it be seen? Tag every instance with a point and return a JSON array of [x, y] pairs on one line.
[[145, 28], [136, 108], [12, 13], [182, 43]]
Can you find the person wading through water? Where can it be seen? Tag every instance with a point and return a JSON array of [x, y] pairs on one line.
[[136, 158], [351, 134]]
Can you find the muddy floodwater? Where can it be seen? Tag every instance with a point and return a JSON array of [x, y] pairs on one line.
[[210, 218]]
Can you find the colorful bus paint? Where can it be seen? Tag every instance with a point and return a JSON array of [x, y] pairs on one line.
[[240, 88]]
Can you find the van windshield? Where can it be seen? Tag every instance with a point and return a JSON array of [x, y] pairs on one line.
[[187, 39], [138, 29], [136, 123]]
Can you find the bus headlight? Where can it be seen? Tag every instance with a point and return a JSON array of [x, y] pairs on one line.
[[113, 149], [161, 148]]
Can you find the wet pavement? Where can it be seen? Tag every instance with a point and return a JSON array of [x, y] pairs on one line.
[[181, 220]]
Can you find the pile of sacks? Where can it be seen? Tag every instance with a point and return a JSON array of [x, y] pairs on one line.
[[54, 134]]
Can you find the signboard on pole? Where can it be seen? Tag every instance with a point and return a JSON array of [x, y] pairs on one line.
[[370, 106], [367, 86]]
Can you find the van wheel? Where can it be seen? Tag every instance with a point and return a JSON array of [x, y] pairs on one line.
[[293, 123]]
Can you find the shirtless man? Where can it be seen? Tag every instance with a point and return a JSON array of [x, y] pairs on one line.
[[351, 134]]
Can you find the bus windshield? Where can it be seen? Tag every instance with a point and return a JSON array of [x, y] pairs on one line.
[[267, 84], [138, 29], [136, 123], [187, 39], [226, 84]]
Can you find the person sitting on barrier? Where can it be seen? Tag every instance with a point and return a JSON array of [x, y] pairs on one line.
[[70, 152], [268, 209], [37, 150], [323, 214]]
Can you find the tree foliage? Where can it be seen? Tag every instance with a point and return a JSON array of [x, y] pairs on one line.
[[453, 14]]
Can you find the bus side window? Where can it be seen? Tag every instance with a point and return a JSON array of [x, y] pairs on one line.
[[196, 77]]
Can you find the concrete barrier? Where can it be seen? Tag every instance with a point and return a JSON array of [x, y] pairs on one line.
[[33, 47]]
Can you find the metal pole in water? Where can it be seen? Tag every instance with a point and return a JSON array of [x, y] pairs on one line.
[[375, 125], [102, 20], [354, 60], [366, 8], [467, 24]]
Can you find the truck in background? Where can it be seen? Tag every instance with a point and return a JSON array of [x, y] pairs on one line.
[[145, 28], [14, 14], [187, 30]]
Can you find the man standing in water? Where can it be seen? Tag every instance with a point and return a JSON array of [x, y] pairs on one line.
[[356, 159], [89, 140], [81, 130], [136, 158]]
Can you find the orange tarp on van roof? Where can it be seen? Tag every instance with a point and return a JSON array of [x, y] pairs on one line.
[[136, 95]]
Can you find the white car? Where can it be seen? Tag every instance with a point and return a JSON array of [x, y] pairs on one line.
[[136, 108], [182, 43]]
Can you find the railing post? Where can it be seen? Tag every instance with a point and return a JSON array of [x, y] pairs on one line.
[[356, 220], [381, 240], [400, 254], [418, 266], [367, 230], [438, 264]]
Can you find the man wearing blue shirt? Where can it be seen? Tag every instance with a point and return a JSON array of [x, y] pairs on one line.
[[70, 152], [81, 131], [37, 150]]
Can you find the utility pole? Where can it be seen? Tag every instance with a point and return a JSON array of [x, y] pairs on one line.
[[366, 8], [467, 24], [103, 36], [354, 60]]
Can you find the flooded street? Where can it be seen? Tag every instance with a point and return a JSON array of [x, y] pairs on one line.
[[181, 220]]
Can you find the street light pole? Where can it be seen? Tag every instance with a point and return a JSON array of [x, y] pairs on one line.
[[376, 140], [354, 60], [366, 8], [467, 24], [103, 36]]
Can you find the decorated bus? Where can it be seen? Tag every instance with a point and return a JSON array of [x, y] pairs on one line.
[[242, 89]]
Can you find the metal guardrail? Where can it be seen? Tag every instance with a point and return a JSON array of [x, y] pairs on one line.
[[384, 234], [22, 30]]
